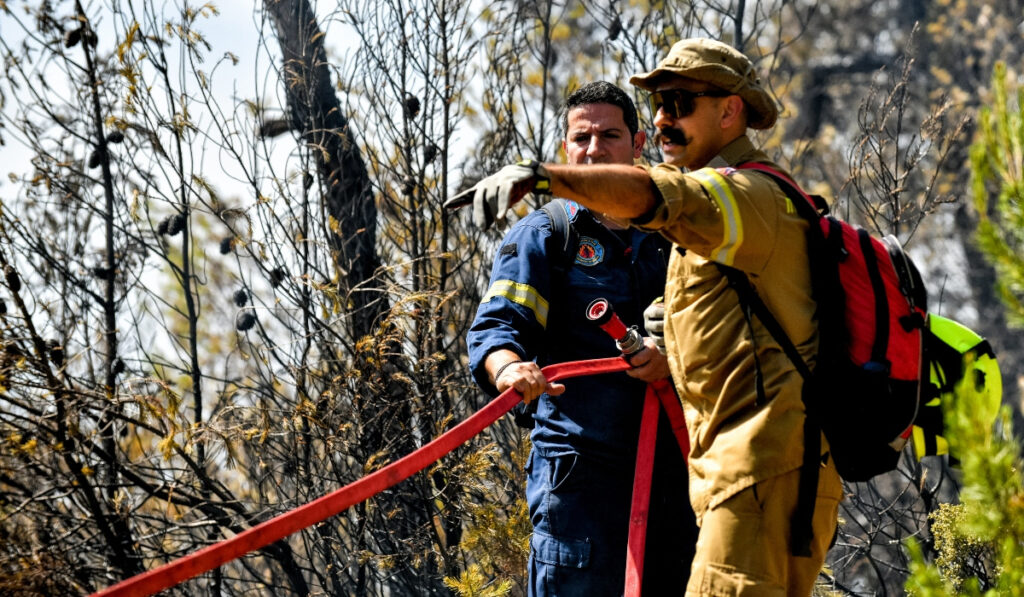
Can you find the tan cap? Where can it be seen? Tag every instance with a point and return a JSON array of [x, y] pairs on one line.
[[720, 65]]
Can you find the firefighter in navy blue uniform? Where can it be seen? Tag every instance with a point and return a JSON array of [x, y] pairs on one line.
[[580, 470], [741, 392]]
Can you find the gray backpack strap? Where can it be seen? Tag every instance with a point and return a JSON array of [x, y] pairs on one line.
[[564, 237]]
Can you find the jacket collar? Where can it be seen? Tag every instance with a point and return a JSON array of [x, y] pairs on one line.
[[739, 151]]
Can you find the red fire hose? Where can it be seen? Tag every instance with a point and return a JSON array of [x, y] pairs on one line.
[[265, 533], [630, 342], [208, 558]]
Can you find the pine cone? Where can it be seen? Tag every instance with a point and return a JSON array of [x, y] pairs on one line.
[[71, 38], [13, 281], [614, 29], [102, 273], [245, 320], [429, 152], [56, 352], [411, 106], [241, 297], [176, 225], [277, 275]]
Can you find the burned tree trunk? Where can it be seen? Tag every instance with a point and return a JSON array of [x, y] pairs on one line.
[[314, 111], [398, 523]]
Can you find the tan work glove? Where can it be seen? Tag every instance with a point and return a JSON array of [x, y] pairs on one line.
[[493, 196]]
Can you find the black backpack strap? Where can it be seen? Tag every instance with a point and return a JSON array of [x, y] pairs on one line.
[[801, 527], [810, 208], [749, 300]]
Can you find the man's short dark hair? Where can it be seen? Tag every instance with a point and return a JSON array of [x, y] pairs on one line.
[[601, 92]]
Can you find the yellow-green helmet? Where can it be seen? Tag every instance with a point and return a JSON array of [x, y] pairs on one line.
[[952, 352]]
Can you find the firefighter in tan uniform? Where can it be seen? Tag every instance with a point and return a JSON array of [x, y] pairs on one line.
[[747, 446]]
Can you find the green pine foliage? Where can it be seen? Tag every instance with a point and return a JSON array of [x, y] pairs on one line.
[[497, 532], [473, 583], [979, 542], [997, 161]]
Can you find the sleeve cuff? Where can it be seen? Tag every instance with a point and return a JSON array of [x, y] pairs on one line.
[[644, 220], [647, 217]]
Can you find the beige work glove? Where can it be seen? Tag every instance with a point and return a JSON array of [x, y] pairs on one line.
[[493, 196], [654, 323]]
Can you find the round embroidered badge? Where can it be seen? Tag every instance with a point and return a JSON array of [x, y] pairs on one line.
[[590, 251]]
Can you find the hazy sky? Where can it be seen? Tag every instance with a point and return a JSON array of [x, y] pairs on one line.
[[235, 29]]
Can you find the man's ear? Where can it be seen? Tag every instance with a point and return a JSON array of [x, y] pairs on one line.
[[733, 111], [639, 139]]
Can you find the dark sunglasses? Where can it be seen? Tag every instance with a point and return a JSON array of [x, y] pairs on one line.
[[680, 103]]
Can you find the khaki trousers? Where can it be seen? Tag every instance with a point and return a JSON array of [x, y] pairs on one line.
[[743, 548]]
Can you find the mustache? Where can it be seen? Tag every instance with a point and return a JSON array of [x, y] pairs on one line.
[[671, 135]]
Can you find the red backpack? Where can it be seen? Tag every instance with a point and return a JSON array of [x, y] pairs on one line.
[[865, 389]]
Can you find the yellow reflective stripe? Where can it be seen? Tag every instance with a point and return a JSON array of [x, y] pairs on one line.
[[732, 233], [521, 294], [920, 450], [790, 209]]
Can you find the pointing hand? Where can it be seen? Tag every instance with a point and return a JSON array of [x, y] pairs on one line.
[[493, 196]]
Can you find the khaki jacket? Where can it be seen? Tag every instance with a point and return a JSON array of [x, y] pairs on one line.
[[739, 218]]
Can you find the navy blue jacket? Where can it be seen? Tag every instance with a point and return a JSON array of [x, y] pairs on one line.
[[544, 319]]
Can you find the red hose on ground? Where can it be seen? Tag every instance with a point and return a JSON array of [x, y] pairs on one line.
[[265, 533]]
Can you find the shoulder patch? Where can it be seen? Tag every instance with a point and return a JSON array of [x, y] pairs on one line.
[[590, 251], [509, 249], [571, 209], [727, 171]]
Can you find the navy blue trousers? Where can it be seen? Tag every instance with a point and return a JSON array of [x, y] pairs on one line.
[[580, 509]]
